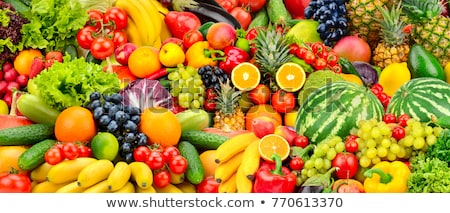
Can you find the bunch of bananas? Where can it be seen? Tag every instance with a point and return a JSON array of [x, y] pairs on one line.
[[146, 26], [238, 159]]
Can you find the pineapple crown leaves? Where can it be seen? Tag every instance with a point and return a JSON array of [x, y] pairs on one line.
[[422, 10], [227, 97], [392, 24]]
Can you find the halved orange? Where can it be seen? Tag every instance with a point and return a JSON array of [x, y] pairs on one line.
[[273, 144], [245, 76], [290, 77]]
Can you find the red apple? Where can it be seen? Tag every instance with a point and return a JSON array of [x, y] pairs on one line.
[[353, 48], [296, 8], [262, 126], [287, 133], [123, 52]]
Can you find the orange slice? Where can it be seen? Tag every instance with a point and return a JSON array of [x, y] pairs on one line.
[[273, 144], [245, 76], [290, 77]]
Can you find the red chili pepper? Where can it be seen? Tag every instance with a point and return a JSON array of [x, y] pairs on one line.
[[160, 73], [274, 178], [233, 57]]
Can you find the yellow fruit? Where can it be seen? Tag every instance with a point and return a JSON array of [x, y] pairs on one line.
[[447, 72], [290, 117], [4, 109], [352, 78], [393, 76], [273, 144], [207, 158], [161, 126]]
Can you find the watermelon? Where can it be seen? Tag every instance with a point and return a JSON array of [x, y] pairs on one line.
[[335, 109], [421, 98]]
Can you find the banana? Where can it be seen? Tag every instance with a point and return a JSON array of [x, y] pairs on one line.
[[243, 184], [229, 186], [176, 178], [94, 173], [101, 187], [127, 188], [158, 42], [150, 189], [251, 160], [70, 188], [119, 176], [228, 168], [233, 146], [187, 187], [161, 9], [141, 17], [133, 33], [39, 174], [47, 187], [168, 189], [153, 13], [142, 174], [68, 170]]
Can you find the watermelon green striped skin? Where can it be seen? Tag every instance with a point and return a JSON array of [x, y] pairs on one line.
[[421, 98], [335, 109]]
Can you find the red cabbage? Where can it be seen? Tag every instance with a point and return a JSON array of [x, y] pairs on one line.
[[145, 93], [368, 74]]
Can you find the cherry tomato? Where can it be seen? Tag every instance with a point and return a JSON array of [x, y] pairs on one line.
[[170, 152], [14, 183], [403, 119], [347, 165], [296, 163], [260, 95], [84, 151], [116, 15], [293, 48], [119, 38], [192, 36], [178, 164], [251, 34], [398, 132], [161, 178], [95, 18], [318, 48], [382, 96], [309, 57], [332, 59], [141, 153], [351, 145], [377, 89], [102, 47], [70, 151], [54, 155], [301, 52], [389, 118], [337, 68], [320, 64], [243, 16], [253, 5], [85, 36], [283, 101], [301, 141], [208, 185], [226, 4], [156, 160], [210, 93]]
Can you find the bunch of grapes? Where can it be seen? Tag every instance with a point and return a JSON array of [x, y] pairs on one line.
[[187, 86], [212, 76], [379, 140], [111, 115]]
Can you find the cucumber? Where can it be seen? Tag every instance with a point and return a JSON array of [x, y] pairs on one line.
[[203, 140], [194, 171], [277, 12], [34, 156], [261, 19], [19, 6], [25, 135], [71, 50], [91, 59], [34, 108]]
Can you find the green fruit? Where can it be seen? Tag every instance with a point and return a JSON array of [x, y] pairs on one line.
[[104, 145], [306, 31]]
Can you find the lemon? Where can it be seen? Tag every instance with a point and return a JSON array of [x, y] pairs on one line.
[[393, 76], [4, 110], [105, 145]]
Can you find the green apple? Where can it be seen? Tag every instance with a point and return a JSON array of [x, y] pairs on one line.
[[4, 110], [171, 54], [306, 31], [104, 145]]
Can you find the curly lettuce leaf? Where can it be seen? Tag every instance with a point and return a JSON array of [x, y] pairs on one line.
[[70, 83], [428, 175]]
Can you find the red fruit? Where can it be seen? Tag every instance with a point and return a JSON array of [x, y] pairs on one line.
[[3, 85], [7, 66], [346, 165], [54, 55], [296, 8], [123, 52], [9, 121], [398, 132], [253, 5], [221, 35], [10, 75], [301, 141], [1, 75], [403, 119], [389, 118], [262, 126], [36, 67], [181, 22], [353, 48], [12, 86], [8, 98], [22, 80], [287, 133]]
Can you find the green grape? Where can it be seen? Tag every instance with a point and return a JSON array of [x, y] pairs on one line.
[[318, 152], [173, 76], [364, 150], [371, 152], [395, 148], [375, 160], [364, 161], [195, 104], [437, 131], [408, 151], [419, 143], [371, 143], [361, 144], [331, 154], [382, 151], [431, 139], [324, 147], [391, 156], [304, 172], [401, 153], [311, 172], [184, 74], [318, 163], [366, 136], [418, 132], [411, 121], [366, 125], [360, 133], [428, 130], [340, 147], [322, 171], [326, 164], [408, 140], [385, 130], [375, 132], [309, 164], [194, 89], [198, 82], [191, 70], [385, 142], [358, 155]]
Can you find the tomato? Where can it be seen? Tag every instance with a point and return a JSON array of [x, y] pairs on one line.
[[155, 160], [141, 153], [389, 118], [226, 4], [398, 132], [301, 52], [119, 38], [309, 57], [210, 105], [332, 59], [102, 47], [318, 48], [348, 186], [337, 68], [192, 36], [208, 185], [85, 36], [320, 64], [283, 101], [178, 164], [346, 165], [293, 48], [403, 119], [116, 15], [84, 151], [253, 5], [170, 152], [351, 145], [95, 18], [70, 151], [210, 93], [54, 155], [296, 163], [14, 183], [301, 141], [376, 89], [243, 16], [260, 95], [161, 178]]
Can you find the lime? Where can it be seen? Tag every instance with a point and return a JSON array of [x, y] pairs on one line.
[[4, 110], [104, 145]]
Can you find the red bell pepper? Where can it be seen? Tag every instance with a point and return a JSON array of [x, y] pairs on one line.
[[274, 178], [233, 57]]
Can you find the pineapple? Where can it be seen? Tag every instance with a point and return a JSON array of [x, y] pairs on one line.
[[429, 28], [228, 115], [394, 44]]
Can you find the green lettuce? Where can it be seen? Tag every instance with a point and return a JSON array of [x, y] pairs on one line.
[[70, 83]]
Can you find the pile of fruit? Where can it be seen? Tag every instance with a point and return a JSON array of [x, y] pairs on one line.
[[225, 96]]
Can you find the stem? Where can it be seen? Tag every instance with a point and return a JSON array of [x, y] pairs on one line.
[[109, 65], [278, 164], [384, 177], [14, 103]]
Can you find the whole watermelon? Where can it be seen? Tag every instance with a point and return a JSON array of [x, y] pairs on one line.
[[421, 98], [335, 109]]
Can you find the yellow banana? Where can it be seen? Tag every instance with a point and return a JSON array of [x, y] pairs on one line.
[[140, 16], [233, 146], [226, 169], [168, 189], [133, 33], [187, 187], [251, 160], [159, 7], [95, 172], [70, 188], [47, 187], [176, 178], [39, 174], [119, 176], [101, 187], [68, 170], [162, 11], [153, 14], [142, 174], [243, 184], [127, 188], [229, 186], [158, 42], [147, 190]]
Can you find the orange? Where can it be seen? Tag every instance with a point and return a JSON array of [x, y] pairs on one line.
[[290, 117], [161, 126], [245, 76], [23, 61], [209, 165], [75, 124], [290, 77], [262, 110], [9, 156], [273, 144], [352, 78], [144, 61]]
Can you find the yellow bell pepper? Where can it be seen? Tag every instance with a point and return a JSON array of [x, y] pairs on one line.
[[201, 54], [387, 177]]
